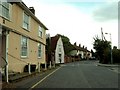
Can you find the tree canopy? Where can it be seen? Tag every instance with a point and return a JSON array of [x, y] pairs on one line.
[[102, 49]]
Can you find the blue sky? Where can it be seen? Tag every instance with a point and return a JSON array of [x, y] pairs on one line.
[[80, 20]]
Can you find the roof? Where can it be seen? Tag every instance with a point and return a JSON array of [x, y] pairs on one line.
[[79, 48], [54, 42], [23, 6]]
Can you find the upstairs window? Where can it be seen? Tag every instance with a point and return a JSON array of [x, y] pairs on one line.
[[40, 33], [5, 10], [26, 21], [59, 49]]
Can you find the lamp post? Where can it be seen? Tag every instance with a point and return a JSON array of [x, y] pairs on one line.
[[110, 47]]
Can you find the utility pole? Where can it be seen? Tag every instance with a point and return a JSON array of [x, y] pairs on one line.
[[111, 49], [101, 33]]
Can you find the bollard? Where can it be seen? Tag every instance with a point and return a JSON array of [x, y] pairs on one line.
[[50, 64], [45, 66], [29, 68], [38, 67]]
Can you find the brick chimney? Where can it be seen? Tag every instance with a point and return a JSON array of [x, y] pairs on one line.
[[75, 44], [32, 10], [83, 46], [79, 45]]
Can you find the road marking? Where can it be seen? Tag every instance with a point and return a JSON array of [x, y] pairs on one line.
[[44, 78]]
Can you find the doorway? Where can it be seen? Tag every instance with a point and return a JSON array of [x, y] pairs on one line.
[[60, 58]]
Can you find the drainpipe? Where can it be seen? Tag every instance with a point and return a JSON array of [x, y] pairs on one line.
[[0, 50], [45, 65], [7, 41], [53, 64], [38, 67], [50, 64]]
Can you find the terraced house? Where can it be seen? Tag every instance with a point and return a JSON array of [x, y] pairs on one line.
[[22, 37]]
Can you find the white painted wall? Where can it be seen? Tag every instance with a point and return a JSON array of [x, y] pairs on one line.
[[73, 52], [57, 52], [82, 54]]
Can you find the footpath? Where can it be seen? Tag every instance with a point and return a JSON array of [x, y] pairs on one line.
[[21, 76], [112, 67]]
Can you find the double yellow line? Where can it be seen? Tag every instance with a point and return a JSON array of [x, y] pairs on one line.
[[44, 78]]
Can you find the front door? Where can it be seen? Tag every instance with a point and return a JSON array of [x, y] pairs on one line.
[[60, 58]]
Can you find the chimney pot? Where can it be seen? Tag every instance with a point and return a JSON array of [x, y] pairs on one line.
[[32, 10], [75, 44]]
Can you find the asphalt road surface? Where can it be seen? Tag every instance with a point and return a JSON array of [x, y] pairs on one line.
[[81, 74]]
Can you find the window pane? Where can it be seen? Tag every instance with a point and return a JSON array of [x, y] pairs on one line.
[[25, 25], [26, 21], [39, 50], [40, 31], [5, 9], [24, 46], [26, 18], [5, 4]]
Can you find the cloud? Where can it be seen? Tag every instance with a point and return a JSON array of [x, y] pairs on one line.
[[108, 12]]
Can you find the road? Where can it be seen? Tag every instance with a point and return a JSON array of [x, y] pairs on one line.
[[81, 74]]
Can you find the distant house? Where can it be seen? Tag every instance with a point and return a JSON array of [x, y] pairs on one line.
[[57, 49], [22, 37], [80, 52]]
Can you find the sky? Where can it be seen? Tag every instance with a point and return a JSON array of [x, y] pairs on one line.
[[79, 20]]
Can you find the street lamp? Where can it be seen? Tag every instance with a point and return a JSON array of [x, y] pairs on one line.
[[111, 47]]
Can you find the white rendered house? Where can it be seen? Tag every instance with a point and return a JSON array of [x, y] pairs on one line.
[[58, 49]]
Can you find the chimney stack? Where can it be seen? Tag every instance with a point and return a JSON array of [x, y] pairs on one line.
[[79, 45], [83, 46], [75, 44], [32, 10]]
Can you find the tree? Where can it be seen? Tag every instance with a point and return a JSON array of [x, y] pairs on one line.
[[102, 49], [93, 53], [116, 55]]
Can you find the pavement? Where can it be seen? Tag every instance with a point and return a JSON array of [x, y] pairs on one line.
[[108, 65], [112, 67], [21, 76]]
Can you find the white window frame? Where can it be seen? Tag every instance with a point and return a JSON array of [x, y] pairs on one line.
[[40, 31], [5, 8], [22, 46], [24, 22], [39, 50]]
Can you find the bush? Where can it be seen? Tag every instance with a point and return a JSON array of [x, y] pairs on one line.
[[116, 55]]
